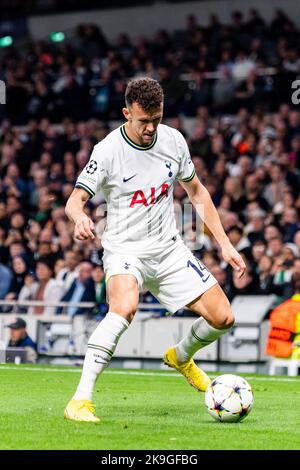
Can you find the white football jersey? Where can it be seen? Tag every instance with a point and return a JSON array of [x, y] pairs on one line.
[[137, 183]]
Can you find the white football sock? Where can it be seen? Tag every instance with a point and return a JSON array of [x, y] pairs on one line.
[[101, 346], [200, 335]]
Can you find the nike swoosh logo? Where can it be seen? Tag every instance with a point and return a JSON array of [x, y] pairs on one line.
[[99, 362], [127, 179]]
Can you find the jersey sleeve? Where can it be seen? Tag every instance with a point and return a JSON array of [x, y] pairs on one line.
[[186, 171], [94, 173]]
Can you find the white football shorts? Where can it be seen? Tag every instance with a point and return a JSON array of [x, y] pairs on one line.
[[175, 277]]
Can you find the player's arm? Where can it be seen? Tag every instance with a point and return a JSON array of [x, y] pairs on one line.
[[84, 226], [201, 200]]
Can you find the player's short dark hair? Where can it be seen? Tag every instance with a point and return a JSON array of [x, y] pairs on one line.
[[144, 91]]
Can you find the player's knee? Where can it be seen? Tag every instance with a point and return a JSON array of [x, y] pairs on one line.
[[223, 323], [224, 318], [126, 311], [129, 313], [227, 321]]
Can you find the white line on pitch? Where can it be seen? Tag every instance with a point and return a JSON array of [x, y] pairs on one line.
[[130, 372]]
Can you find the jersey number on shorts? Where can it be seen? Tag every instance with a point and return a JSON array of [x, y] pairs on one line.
[[199, 269]]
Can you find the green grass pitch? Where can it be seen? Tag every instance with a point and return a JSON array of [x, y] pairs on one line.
[[148, 410]]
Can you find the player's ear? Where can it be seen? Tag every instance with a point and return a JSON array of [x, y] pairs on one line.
[[126, 113]]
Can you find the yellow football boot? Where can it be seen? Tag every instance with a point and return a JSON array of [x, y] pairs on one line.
[[195, 376], [81, 410]]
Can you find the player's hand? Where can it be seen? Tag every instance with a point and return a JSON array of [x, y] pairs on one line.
[[84, 228], [231, 256]]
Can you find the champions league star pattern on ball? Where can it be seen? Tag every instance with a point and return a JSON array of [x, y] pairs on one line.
[[229, 398]]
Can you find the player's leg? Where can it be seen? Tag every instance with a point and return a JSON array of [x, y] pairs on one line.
[[123, 296], [215, 320], [182, 280]]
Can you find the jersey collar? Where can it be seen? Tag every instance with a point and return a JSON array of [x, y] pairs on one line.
[[133, 144]]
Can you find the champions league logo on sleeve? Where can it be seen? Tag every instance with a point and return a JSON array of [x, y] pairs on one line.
[[91, 167]]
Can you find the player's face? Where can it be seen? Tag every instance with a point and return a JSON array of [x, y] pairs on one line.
[[142, 125]]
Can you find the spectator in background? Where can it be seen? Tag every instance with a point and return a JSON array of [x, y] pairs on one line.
[[246, 285], [43, 213], [275, 189], [221, 276], [17, 248], [297, 239], [45, 251], [292, 287], [250, 91], [274, 246], [82, 289], [44, 288], [13, 180], [13, 236], [265, 277], [69, 272], [290, 222], [282, 273], [39, 182], [287, 202], [255, 226], [19, 271], [289, 252], [239, 240], [210, 259], [223, 91], [31, 234], [58, 266], [174, 90], [296, 276], [283, 267], [200, 143], [5, 280], [258, 250], [4, 220], [18, 221], [272, 231], [233, 189], [252, 193], [100, 288], [19, 338], [99, 280], [198, 95], [4, 250]]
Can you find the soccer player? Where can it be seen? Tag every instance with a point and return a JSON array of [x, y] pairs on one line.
[[136, 166]]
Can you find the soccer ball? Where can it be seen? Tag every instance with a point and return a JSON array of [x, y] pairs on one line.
[[229, 398]]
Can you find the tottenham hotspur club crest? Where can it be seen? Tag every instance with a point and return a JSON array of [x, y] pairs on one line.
[[91, 167], [168, 165]]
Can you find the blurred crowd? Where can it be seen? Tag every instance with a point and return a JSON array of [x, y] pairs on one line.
[[224, 66], [246, 151]]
